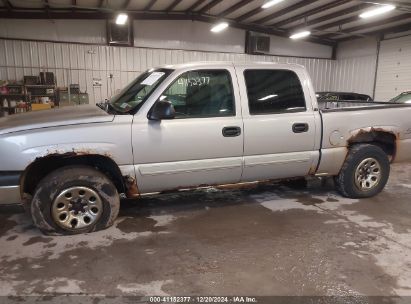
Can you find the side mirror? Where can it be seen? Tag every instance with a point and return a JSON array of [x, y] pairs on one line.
[[162, 109]]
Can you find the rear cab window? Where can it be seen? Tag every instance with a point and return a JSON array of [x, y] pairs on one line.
[[274, 92]]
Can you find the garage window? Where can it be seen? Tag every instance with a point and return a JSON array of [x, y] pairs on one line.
[[202, 93], [274, 91]]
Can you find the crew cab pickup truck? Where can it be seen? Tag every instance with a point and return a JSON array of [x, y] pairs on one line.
[[187, 126]]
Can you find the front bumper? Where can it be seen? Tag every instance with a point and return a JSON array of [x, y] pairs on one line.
[[10, 188]]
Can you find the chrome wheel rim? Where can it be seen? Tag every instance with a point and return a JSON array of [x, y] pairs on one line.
[[368, 174], [77, 208]]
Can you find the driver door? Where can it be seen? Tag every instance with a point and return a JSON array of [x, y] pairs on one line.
[[202, 145]]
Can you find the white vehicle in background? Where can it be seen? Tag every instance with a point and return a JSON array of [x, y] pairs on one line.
[[192, 125], [404, 97]]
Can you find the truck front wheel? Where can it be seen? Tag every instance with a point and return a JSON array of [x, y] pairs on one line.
[[75, 199], [364, 173]]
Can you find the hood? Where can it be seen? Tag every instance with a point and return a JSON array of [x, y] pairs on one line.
[[53, 118]]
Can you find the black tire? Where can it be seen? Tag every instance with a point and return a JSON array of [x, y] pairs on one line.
[[56, 182], [345, 180]]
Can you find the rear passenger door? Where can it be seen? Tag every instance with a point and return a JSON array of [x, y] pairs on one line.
[[280, 128]]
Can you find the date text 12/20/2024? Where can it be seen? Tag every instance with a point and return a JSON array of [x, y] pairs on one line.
[[202, 299]]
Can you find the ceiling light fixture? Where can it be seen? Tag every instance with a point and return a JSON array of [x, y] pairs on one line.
[[219, 27], [300, 35], [271, 3], [381, 9], [121, 19]]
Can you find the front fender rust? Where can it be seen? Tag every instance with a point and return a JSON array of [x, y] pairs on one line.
[[132, 188], [73, 153]]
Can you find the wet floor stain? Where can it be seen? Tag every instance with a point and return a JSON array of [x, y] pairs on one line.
[[139, 224]]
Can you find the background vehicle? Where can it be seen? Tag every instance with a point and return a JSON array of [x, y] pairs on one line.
[[342, 96], [404, 97], [193, 125]]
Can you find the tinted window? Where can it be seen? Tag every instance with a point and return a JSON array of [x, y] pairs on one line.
[[202, 93], [274, 91]]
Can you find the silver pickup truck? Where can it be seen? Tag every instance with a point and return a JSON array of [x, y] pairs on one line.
[[193, 125]]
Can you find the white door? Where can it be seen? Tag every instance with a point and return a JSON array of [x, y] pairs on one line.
[[202, 145], [279, 127]]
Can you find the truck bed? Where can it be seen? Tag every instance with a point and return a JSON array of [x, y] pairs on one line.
[[332, 105]]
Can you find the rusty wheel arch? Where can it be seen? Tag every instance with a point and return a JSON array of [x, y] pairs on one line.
[[42, 166], [385, 139]]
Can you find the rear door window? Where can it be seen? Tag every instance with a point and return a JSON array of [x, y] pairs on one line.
[[274, 91]]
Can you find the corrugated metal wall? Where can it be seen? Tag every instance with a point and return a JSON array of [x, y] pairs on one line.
[[81, 63], [394, 68], [355, 75], [355, 66]]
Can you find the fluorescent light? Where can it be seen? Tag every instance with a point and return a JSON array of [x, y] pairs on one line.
[[121, 19], [268, 97], [378, 11], [300, 35], [271, 3], [219, 27]]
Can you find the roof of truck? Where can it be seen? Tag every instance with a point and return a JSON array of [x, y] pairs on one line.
[[225, 63]]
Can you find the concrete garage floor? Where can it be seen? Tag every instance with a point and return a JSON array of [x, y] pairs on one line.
[[260, 240]]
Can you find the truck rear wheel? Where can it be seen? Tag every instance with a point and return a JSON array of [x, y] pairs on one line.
[[73, 200], [364, 173]]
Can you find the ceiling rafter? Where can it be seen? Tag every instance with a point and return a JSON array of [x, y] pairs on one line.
[[8, 5], [347, 11], [99, 15], [126, 4], [249, 14], [286, 10], [370, 25], [173, 5], [336, 23], [235, 7], [150, 5], [209, 6], [195, 5], [313, 11], [390, 30]]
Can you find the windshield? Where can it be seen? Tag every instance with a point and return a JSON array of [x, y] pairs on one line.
[[402, 98], [136, 93]]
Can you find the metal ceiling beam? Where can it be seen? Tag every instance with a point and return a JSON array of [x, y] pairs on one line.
[[396, 2], [347, 11], [173, 5], [8, 5], [249, 14], [336, 23], [209, 6], [370, 25], [46, 4], [101, 3], [235, 7], [195, 5], [99, 15], [286, 10], [126, 4], [150, 5], [313, 11], [391, 30]]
